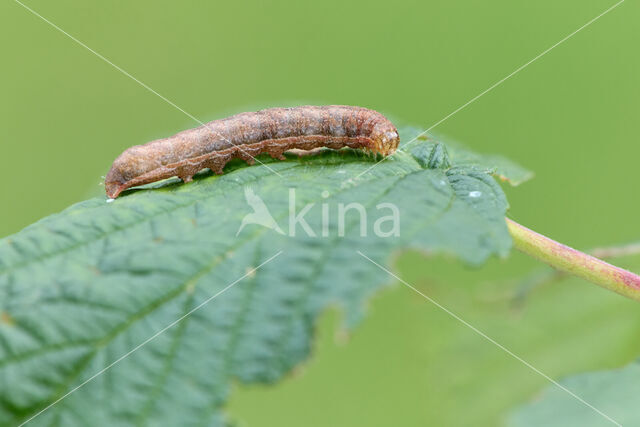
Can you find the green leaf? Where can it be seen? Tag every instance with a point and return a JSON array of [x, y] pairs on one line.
[[614, 393], [497, 165], [80, 289]]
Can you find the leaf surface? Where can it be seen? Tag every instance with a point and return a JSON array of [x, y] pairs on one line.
[[81, 289], [614, 393]]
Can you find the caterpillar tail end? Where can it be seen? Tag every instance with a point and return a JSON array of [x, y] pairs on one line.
[[114, 183]]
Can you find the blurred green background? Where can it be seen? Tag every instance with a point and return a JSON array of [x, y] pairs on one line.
[[571, 116]]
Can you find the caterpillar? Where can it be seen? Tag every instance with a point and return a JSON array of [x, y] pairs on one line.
[[272, 131]]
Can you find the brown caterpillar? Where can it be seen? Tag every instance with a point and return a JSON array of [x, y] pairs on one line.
[[272, 131]]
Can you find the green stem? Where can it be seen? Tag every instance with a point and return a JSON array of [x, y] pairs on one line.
[[578, 263]]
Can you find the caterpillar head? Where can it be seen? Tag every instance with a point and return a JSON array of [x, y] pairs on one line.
[[385, 138]]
